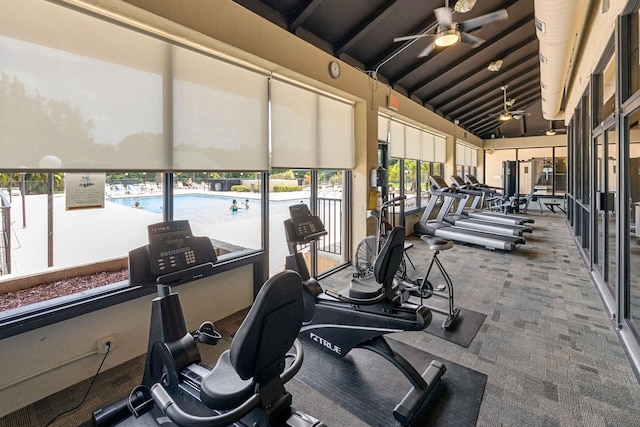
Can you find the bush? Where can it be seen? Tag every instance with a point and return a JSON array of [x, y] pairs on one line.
[[240, 188], [286, 188]]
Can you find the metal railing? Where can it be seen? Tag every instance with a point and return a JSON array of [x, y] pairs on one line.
[[5, 234], [330, 212]]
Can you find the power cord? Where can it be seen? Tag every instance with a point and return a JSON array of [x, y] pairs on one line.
[[108, 346]]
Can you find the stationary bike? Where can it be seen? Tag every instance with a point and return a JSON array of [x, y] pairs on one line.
[[246, 386], [369, 248], [423, 288], [360, 316]]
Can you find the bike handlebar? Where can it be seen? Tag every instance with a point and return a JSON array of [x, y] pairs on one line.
[[392, 201]]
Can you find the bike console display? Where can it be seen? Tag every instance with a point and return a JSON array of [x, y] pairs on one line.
[[304, 226], [171, 247], [173, 254]]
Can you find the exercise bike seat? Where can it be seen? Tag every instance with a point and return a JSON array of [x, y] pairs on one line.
[[436, 243], [223, 388], [259, 348], [384, 269]]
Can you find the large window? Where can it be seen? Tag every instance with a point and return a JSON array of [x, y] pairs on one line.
[[541, 169], [414, 154], [99, 141]]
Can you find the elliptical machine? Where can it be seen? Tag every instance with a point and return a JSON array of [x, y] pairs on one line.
[[360, 316], [246, 386]]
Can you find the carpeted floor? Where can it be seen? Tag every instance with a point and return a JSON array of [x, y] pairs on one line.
[[547, 346]]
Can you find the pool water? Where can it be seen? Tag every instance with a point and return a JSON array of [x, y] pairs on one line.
[[205, 208]]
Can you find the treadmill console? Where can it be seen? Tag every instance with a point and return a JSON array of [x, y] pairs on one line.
[[440, 183]]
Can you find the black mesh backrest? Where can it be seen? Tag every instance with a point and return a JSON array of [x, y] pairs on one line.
[[270, 328], [390, 256]]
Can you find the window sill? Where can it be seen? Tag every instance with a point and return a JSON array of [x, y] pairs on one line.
[[23, 319]]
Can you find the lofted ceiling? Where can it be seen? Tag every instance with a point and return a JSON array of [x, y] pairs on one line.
[[454, 81]]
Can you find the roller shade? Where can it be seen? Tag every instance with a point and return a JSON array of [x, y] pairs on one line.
[[220, 114], [396, 142], [310, 130], [428, 147], [111, 101], [383, 128], [412, 143], [466, 156], [440, 152]]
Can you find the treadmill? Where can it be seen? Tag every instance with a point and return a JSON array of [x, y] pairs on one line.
[[461, 219], [473, 182], [434, 227]]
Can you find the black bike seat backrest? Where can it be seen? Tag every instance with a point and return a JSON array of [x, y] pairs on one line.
[[267, 333], [390, 256]]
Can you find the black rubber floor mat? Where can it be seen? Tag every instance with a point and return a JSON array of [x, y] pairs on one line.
[[462, 331], [369, 387]]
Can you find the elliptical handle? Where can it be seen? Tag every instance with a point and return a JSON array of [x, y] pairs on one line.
[[393, 201]]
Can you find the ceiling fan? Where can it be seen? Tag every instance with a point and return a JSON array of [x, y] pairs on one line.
[[506, 114], [448, 33], [553, 131]]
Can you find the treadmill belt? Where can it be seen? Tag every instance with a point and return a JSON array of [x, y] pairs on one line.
[[369, 387]]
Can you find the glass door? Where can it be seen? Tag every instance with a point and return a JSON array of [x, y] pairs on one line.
[[633, 177], [604, 256]]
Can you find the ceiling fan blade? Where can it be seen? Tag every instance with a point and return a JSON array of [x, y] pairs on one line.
[[474, 23], [427, 50], [471, 40], [415, 36], [444, 17]]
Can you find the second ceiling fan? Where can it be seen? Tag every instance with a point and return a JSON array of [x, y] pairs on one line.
[[506, 114], [448, 32]]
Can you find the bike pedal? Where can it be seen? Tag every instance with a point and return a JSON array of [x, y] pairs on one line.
[[440, 288]]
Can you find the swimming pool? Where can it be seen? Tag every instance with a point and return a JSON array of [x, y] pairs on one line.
[[204, 208]]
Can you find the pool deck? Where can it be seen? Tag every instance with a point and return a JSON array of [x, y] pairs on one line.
[[84, 236]]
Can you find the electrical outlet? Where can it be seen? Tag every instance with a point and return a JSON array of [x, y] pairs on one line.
[[102, 344]]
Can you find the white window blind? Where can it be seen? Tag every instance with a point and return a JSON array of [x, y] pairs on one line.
[[383, 128], [70, 102], [428, 147], [440, 152], [396, 144], [219, 115], [412, 143], [310, 130], [466, 156]]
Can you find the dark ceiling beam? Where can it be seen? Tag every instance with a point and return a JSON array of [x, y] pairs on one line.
[[514, 48], [493, 96], [477, 101], [497, 105], [302, 12], [492, 116], [363, 27], [504, 77], [480, 103], [491, 120], [416, 64]]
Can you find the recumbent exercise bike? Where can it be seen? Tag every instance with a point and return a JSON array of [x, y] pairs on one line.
[[246, 386], [362, 314]]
